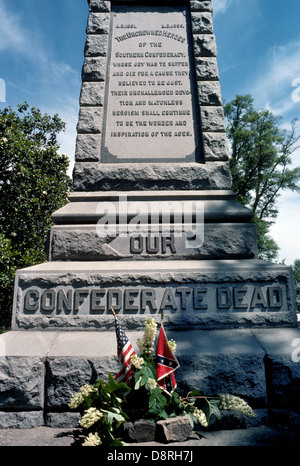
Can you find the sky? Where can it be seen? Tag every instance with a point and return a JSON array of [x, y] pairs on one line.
[[41, 56]]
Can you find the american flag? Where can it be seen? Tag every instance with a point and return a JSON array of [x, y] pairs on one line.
[[166, 363], [124, 351]]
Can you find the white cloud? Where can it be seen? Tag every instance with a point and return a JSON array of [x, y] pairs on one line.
[[16, 39], [275, 88], [12, 34], [54, 81], [286, 230], [68, 112], [67, 140], [220, 6]]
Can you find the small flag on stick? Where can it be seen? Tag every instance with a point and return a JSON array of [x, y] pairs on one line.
[[124, 352], [166, 363]]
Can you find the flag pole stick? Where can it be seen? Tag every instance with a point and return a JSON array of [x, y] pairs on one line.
[[113, 312]]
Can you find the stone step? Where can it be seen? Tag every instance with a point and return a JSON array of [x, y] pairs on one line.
[[152, 207]]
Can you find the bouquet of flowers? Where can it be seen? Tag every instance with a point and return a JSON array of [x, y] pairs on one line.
[[145, 388]]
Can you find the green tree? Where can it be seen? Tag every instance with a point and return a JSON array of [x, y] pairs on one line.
[[33, 184], [296, 272], [261, 164]]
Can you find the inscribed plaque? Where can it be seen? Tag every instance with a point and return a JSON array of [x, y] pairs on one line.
[[150, 112]]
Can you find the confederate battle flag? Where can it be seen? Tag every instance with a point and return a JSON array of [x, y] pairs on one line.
[[166, 363]]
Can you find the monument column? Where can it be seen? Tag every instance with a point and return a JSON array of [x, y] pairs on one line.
[[152, 225]]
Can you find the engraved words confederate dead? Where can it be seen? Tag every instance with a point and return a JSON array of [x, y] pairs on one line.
[[136, 300]]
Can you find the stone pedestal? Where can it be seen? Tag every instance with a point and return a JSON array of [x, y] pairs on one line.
[[152, 227], [40, 370]]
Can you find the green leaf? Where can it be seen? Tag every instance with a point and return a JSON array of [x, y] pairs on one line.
[[191, 419], [138, 383], [118, 443], [112, 416], [214, 409], [195, 393], [157, 402]]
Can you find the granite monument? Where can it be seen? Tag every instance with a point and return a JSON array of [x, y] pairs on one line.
[[152, 225]]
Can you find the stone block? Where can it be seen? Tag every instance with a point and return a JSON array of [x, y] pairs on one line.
[[98, 23], [96, 45], [215, 146], [62, 420], [64, 378], [204, 45], [177, 176], [99, 5], [139, 431], [90, 120], [202, 23], [230, 420], [206, 69], [283, 382], [200, 5], [212, 119], [21, 383], [21, 419], [220, 242], [94, 69], [88, 147], [176, 429], [67, 375], [92, 94], [209, 93], [239, 374]]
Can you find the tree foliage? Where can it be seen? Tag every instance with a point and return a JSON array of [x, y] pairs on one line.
[[33, 184], [260, 163], [296, 272]]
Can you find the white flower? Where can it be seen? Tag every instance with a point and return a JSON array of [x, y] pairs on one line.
[[91, 416], [136, 361], [146, 345], [78, 398], [172, 345], [92, 440], [151, 384], [200, 416], [234, 403], [87, 389]]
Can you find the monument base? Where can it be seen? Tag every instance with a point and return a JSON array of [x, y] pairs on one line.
[[41, 370], [234, 322]]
